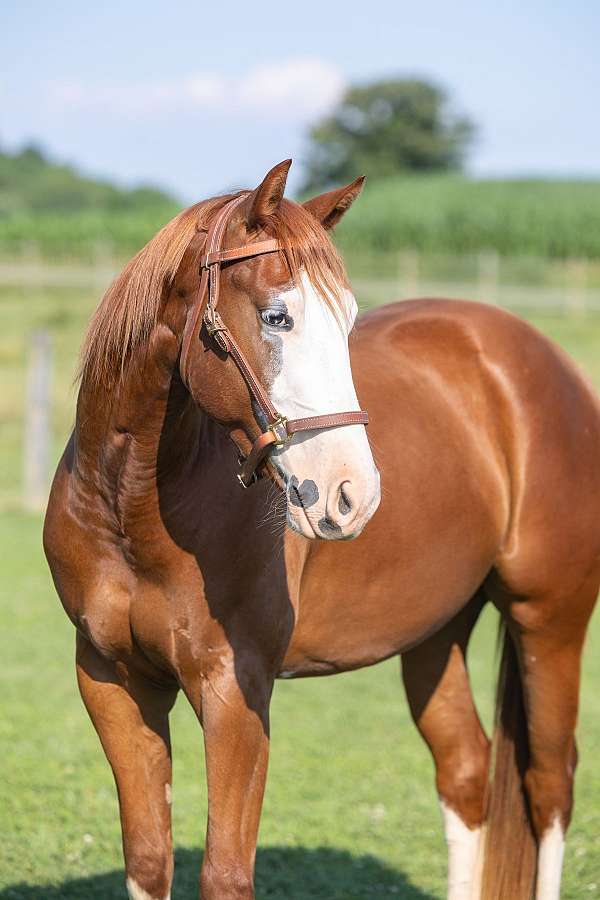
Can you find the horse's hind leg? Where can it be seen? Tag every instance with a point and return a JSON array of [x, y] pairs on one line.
[[548, 632], [132, 722], [441, 703]]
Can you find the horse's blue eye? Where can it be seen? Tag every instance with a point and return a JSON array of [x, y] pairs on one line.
[[275, 318]]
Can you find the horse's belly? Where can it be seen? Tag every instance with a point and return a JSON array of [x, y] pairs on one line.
[[361, 623]]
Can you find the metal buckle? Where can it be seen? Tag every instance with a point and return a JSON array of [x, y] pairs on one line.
[[213, 321], [278, 429]]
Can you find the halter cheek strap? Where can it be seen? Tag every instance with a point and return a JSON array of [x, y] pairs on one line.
[[280, 429]]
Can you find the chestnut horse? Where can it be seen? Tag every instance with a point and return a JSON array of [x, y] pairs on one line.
[[488, 443]]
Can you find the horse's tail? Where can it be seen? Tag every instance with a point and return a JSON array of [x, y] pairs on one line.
[[510, 858]]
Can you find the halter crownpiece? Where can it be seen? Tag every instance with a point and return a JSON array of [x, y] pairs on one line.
[[280, 429]]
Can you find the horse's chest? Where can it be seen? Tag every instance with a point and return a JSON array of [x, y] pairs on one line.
[[127, 615]]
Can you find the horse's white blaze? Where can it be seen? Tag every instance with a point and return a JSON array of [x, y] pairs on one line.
[[314, 377], [464, 859], [138, 893], [550, 860]]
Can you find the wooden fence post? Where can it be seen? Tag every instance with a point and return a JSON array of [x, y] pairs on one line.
[[37, 422], [488, 275], [104, 263], [576, 271], [408, 266]]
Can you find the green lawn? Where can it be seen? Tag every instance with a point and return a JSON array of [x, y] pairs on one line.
[[350, 810]]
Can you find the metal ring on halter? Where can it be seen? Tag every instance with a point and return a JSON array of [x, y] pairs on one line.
[[278, 429]]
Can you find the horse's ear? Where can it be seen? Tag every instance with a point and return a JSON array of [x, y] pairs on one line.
[[267, 196], [330, 207]]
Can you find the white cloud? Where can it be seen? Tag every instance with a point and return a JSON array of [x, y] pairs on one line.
[[304, 87], [298, 90], [205, 90]]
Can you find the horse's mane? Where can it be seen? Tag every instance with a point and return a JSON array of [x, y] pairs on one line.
[[129, 309]]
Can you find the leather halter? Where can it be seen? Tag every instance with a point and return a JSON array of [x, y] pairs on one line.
[[280, 429]]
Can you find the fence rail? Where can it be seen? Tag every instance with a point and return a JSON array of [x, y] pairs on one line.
[[571, 285], [557, 299], [55, 314]]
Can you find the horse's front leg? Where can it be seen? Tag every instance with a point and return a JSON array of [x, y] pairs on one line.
[[130, 715], [235, 718]]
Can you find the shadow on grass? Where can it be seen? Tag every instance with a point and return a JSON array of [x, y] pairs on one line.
[[282, 873]]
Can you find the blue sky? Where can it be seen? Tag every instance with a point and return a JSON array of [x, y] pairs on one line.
[[201, 98]]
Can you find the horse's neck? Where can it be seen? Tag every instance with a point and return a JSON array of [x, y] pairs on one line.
[[125, 437]]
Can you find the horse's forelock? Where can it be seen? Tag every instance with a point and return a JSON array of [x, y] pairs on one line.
[[309, 249], [129, 309]]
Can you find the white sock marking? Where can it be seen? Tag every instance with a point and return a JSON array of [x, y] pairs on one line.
[[138, 893], [463, 856], [550, 860]]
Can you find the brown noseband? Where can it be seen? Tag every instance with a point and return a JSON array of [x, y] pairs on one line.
[[280, 429]]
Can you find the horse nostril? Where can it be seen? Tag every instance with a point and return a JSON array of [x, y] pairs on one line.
[[305, 495], [294, 493], [344, 502], [328, 527]]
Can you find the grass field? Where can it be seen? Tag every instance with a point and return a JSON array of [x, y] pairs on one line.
[[428, 213], [350, 810], [453, 214], [64, 312]]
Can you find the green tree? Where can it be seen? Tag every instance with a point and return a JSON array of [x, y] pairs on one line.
[[384, 128]]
